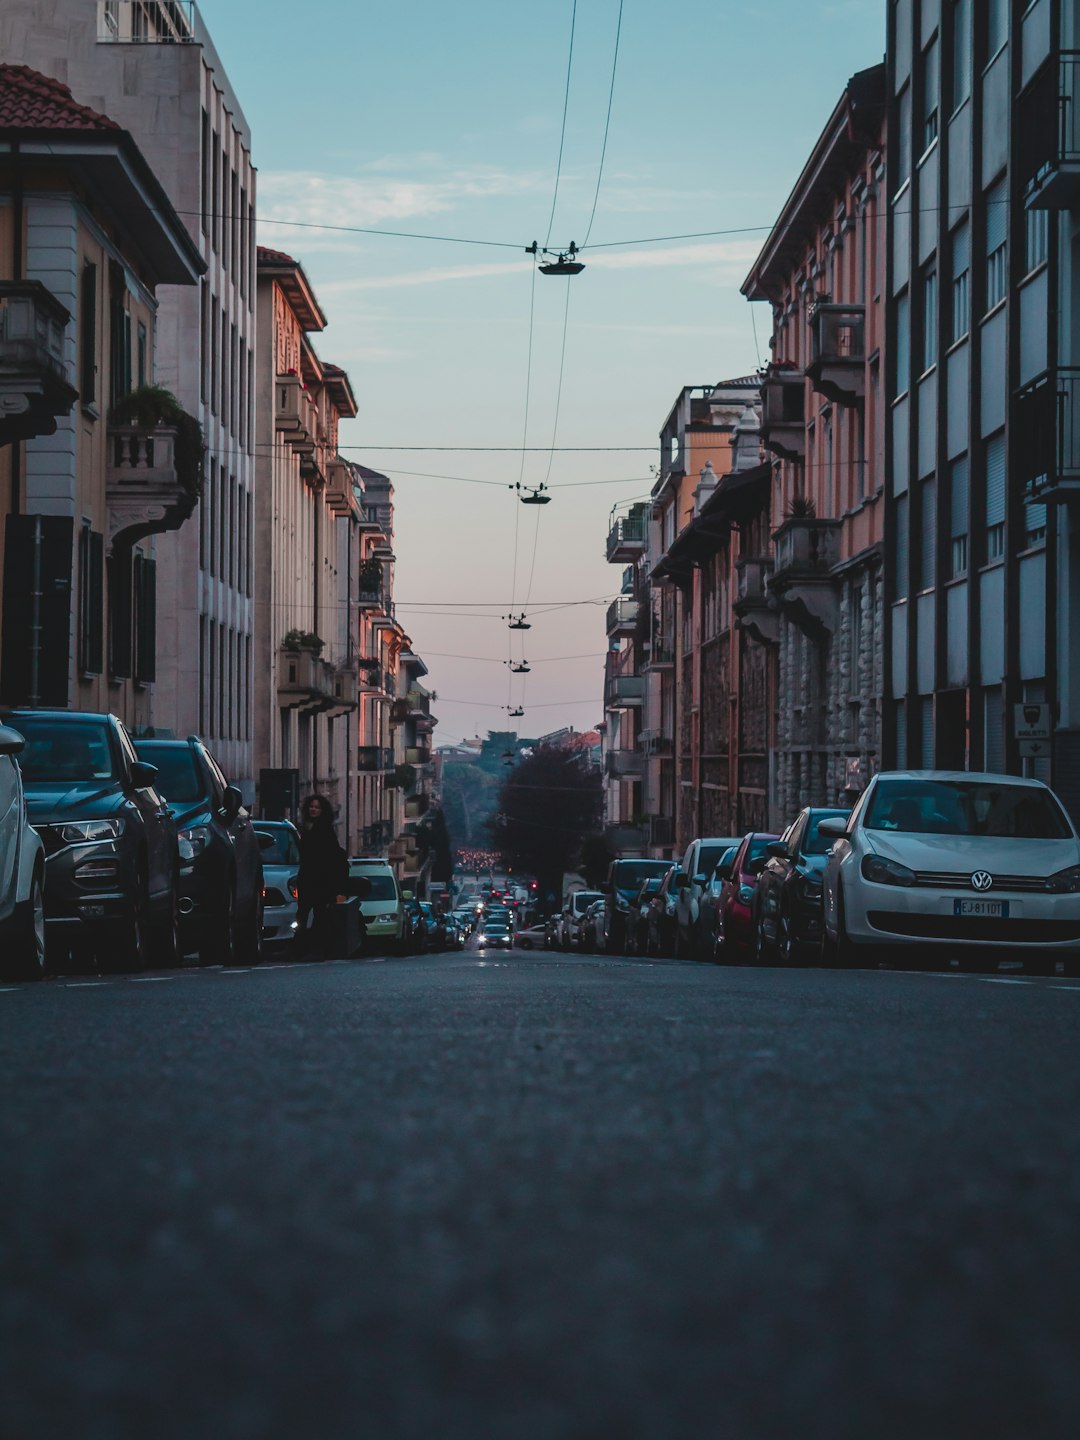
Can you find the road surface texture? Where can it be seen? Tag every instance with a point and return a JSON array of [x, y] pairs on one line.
[[540, 1196]]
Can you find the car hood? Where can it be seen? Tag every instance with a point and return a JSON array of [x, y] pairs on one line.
[[964, 854], [278, 875], [85, 800]]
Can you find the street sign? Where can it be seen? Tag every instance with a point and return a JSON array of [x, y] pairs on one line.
[[1034, 749], [1031, 722]]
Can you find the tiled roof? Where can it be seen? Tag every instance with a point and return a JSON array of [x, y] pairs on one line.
[[273, 257], [29, 101]]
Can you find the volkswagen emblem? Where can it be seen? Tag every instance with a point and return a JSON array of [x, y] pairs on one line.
[[982, 880]]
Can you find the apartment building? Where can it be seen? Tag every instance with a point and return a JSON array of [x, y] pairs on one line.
[[96, 467], [307, 520], [822, 272], [151, 65], [983, 603]]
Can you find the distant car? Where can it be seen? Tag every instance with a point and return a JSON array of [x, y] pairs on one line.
[[22, 873], [279, 845], [435, 935], [623, 882], [727, 907], [221, 881], [662, 917], [592, 923], [788, 907], [112, 862], [569, 927], [698, 864], [496, 937], [381, 905], [946, 863], [534, 937], [414, 933]]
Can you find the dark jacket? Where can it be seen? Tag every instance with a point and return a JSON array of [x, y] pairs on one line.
[[324, 869]]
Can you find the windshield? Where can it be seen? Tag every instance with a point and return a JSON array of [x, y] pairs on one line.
[[68, 750], [815, 844], [282, 848], [961, 807], [709, 856], [628, 874], [178, 779], [380, 885], [758, 847], [583, 899]]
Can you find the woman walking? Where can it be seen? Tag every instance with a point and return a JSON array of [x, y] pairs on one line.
[[322, 877]]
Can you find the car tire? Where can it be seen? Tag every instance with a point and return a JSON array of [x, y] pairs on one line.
[[24, 955], [167, 936], [218, 945], [839, 953], [793, 953], [128, 954], [525, 945], [249, 948], [764, 953]]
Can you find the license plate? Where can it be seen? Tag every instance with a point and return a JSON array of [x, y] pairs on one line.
[[984, 909]]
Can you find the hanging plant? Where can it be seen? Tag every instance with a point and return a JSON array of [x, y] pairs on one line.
[[402, 777], [302, 640], [151, 407], [370, 575]]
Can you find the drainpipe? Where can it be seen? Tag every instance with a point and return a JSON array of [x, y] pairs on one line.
[[18, 261]]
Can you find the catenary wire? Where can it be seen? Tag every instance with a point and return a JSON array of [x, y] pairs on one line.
[[607, 127], [562, 135]]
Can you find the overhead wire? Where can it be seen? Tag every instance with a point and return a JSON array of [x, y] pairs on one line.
[[607, 127], [562, 135]]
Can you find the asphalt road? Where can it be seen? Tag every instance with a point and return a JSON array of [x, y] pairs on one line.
[[540, 1196]]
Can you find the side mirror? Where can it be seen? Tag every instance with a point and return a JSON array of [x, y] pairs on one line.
[[723, 872], [701, 879], [777, 849], [833, 829], [232, 804], [756, 865], [681, 882], [143, 775], [11, 742]]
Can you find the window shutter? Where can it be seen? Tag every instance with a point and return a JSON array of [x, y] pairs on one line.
[[928, 535], [24, 534], [145, 620], [994, 720], [88, 335], [995, 480], [958, 499], [120, 617], [95, 602], [900, 532]]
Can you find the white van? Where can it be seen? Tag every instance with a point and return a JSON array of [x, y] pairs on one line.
[[382, 906]]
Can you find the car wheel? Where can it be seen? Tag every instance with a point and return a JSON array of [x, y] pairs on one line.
[[166, 939], [249, 949], [218, 946], [792, 952], [24, 947], [128, 954], [763, 950]]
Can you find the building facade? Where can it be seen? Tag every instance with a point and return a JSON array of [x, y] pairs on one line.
[[983, 601], [96, 467], [822, 271], [151, 65]]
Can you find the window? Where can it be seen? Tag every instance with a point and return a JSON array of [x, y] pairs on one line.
[[900, 540], [961, 52], [119, 337], [88, 335], [91, 599], [141, 354], [961, 281], [997, 227], [215, 191], [1034, 525], [927, 558], [204, 340], [903, 344], [931, 92], [213, 360], [211, 506], [958, 517], [1036, 239], [930, 319], [995, 498], [903, 139], [204, 178], [997, 26], [144, 586]]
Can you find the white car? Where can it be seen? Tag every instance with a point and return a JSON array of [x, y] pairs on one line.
[[982, 865], [698, 865], [22, 873], [569, 931], [381, 904]]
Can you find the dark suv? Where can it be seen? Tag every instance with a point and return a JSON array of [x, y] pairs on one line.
[[112, 860], [221, 881]]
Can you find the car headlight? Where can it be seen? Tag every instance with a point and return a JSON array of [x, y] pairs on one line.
[[79, 832], [1065, 882], [746, 894], [193, 841], [886, 872]]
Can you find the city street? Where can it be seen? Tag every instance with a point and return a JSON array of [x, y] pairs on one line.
[[540, 1196]]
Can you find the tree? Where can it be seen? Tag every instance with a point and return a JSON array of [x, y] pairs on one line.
[[549, 804]]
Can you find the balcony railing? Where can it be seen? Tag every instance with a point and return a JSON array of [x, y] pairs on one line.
[[783, 419], [146, 22], [292, 411], [622, 615], [1047, 413], [803, 546], [1048, 133], [143, 489], [627, 537], [624, 764], [307, 682], [418, 755], [374, 758], [661, 654], [34, 387], [754, 575], [624, 692], [838, 350], [656, 744]]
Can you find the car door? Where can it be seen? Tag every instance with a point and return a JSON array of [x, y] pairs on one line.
[[246, 855], [788, 869], [159, 832], [11, 820]]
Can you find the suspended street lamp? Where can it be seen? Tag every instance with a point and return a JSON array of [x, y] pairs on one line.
[[517, 622], [516, 711], [530, 496], [565, 262], [523, 669]]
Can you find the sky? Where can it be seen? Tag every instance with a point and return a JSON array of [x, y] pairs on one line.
[[447, 120]]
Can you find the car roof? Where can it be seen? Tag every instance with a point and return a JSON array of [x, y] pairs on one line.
[[958, 776], [26, 711]]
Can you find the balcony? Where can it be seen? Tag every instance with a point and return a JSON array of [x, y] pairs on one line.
[[838, 348], [146, 22], [805, 550], [418, 755], [756, 609], [417, 805], [292, 411], [656, 745], [783, 419], [1048, 134], [622, 616], [144, 492], [340, 492], [1047, 414], [305, 682], [628, 536], [373, 759], [34, 387], [661, 655], [346, 691], [624, 764]]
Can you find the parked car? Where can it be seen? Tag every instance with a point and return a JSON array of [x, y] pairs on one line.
[[698, 864], [592, 925], [435, 931], [637, 923], [22, 872], [496, 937], [569, 926], [551, 931], [980, 866], [381, 905], [662, 922], [112, 861], [414, 931], [727, 907], [788, 915], [221, 879], [533, 937], [279, 845], [624, 880]]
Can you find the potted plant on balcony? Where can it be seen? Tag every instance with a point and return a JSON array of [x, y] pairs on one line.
[[297, 640], [802, 507], [369, 577], [152, 407], [402, 777]]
